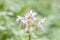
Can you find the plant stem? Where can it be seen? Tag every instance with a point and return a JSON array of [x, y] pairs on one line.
[[29, 36]]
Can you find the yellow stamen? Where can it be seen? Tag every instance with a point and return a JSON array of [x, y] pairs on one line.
[[30, 19]]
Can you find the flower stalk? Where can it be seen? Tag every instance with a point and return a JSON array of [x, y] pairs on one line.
[[29, 36]]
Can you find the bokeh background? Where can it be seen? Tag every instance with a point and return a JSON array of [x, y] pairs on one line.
[[10, 9]]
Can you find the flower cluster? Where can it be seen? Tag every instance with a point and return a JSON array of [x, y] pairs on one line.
[[29, 20]]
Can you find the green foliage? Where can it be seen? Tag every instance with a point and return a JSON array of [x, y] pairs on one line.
[[10, 9]]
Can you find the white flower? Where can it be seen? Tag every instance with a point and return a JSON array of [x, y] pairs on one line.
[[30, 17], [42, 20], [41, 23]]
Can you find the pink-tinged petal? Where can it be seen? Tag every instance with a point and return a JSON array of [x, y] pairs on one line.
[[33, 20], [18, 19]]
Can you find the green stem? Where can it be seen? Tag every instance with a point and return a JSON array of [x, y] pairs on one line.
[[29, 36]]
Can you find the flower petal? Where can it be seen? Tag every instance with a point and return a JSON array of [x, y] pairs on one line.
[[18, 19]]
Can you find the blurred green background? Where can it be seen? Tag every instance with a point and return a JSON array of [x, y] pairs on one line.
[[10, 9]]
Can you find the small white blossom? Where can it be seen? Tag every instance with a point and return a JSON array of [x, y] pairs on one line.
[[42, 20], [30, 17], [41, 23], [19, 19]]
